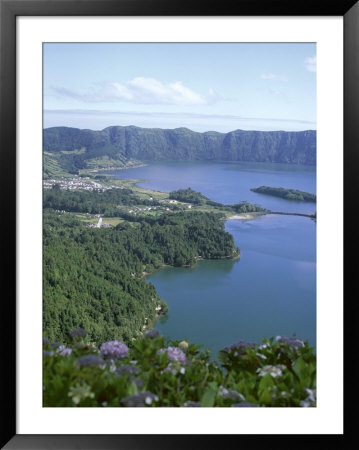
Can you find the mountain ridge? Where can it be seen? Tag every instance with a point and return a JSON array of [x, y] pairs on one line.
[[182, 144]]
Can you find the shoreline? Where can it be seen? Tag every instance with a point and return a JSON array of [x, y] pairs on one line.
[[134, 166], [145, 274], [246, 216], [253, 215]]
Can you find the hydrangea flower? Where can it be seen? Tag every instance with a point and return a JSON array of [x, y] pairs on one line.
[[127, 370], [240, 347], [114, 349], [233, 395], [168, 369], [48, 353], [90, 361], [45, 341], [310, 400], [80, 392], [174, 354], [291, 341], [152, 334], [142, 399], [56, 344], [138, 382], [78, 333], [273, 371], [175, 368], [183, 345], [64, 351], [262, 346]]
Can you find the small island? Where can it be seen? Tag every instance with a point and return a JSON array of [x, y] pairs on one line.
[[287, 194]]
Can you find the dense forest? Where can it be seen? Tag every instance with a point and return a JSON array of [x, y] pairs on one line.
[[73, 149], [190, 196], [93, 278], [287, 194]]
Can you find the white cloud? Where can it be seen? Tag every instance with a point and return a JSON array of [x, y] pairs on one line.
[[273, 76], [143, 90], [311, 64]]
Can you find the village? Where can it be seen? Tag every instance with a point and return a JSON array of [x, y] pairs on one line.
[[136, 210], [83, 183], [98, 220]]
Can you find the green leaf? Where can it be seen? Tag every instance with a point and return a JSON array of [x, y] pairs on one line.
[[208, 397], [132, 389], [265, 397], [266, 382], [301, 369]]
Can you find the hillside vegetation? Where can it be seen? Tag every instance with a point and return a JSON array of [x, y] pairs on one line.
[[118, 146], [93, 278]]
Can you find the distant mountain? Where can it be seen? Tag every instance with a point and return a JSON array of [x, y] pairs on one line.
[[84, 148]]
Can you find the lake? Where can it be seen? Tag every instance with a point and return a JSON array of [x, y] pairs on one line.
[[271, 290]]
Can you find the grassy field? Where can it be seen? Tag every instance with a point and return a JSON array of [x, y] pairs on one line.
[[52, 167], [91, 219], [79, 151], [87, 218], [112, 220]]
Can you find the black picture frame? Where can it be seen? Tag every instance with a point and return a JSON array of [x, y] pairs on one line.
[[9, 10]]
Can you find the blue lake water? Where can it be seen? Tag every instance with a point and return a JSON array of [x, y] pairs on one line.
[[271, 290]]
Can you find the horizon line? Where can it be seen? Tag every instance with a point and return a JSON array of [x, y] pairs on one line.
[[178, 128]]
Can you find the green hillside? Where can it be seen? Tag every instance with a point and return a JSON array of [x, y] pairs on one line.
[[77, 149]]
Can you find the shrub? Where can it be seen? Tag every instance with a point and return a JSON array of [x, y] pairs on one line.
[[156, 372]]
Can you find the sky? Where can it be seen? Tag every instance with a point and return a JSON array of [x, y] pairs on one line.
[[202, 86]]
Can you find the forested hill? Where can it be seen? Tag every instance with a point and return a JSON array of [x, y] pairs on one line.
[[92, 278], [151, 144]]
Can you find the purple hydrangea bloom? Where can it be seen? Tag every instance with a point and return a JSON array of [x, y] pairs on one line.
[[45, 341], [126, 370], [138, 382], [56, 344], [142, 399], [229, 393], [114, 349], [152, 334], [78, 333], [240, 347], [90, 361], [48, 353], [174, 354], [64, 351], [291, 341]]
